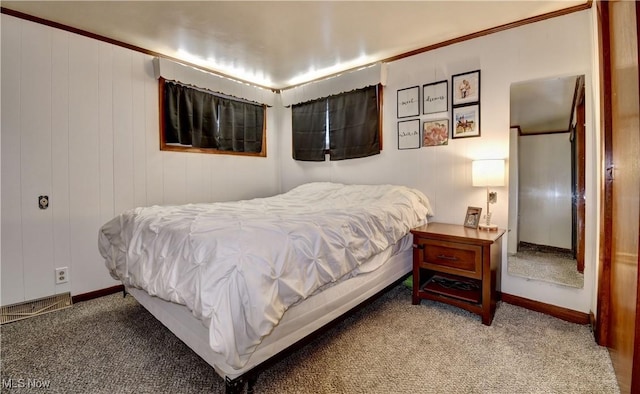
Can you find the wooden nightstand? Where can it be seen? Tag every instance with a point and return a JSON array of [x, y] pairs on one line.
[[457, 265]]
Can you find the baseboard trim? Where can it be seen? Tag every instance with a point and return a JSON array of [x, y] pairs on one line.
[[548, 309], [96, 294]]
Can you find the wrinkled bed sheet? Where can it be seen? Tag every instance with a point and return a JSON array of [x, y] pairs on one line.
[[239, 265]]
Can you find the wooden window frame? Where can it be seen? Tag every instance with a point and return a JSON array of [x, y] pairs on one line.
[[189, 149]]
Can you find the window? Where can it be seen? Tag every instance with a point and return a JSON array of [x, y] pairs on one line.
[[350, 122], [197, 120]]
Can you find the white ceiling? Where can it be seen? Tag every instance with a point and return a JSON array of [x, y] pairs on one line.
[[279, 44], [543, 105]]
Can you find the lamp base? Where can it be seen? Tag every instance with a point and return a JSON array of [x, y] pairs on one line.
[[488, 227]]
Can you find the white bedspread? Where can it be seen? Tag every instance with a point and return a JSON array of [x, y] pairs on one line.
[[239, 265]]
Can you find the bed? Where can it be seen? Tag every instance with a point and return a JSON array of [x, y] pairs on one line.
[[241, 282]]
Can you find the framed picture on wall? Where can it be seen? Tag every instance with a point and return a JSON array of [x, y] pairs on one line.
[[466, 121], [435, 97], [465, 88], [409, 134], [472, 219], [435, 132], [409, 102]]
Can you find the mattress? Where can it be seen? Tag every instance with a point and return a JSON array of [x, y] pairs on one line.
[[238, 266], [299, 321]]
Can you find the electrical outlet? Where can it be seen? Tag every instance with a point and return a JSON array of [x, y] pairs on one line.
[[43, 202], [62, 275]]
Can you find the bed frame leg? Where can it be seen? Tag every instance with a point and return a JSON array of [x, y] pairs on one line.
[[250, 383], [237, 385]]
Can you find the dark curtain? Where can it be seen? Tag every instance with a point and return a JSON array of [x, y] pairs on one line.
[[191, 116], [204, 120], [253, 127], [354, 124], [206, 111], [241, 126], [309, 124], [172, 111]]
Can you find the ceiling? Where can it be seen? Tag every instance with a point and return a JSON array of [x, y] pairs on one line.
[[278, 44], [543, 105]]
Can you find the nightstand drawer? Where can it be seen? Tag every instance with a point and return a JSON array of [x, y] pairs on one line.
[[452, 257]]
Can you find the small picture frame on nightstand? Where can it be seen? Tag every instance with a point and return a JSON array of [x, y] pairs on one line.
[[472, 219]]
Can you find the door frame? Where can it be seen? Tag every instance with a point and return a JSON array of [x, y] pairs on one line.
[[578, 185], [602, 324]]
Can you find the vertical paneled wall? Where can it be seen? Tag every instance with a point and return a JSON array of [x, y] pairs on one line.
[[11, 275], [80, 124], [443, 173]]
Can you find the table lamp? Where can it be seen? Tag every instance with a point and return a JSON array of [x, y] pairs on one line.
[[488, 173]]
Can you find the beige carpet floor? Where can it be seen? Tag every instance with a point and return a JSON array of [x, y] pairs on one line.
[[548, 267], [112, 345]]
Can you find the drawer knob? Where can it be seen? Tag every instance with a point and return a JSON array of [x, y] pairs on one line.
[[452, 258]]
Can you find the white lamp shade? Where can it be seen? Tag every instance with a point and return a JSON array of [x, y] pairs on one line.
[[487, 172]]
